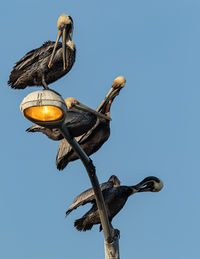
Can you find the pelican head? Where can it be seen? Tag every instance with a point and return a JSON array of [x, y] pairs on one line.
[[119, 82], [63, 20], [149, 184], [73, 103], [115, 180], [65, 28], [117, 85]]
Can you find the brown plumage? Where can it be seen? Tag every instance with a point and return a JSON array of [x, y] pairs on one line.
[[96, 136], [115, 197], [90, 142], [34, 69], [53, 134], [88, 195]]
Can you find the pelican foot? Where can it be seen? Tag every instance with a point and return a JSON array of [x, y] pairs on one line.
[[44, 83], [115, 233]]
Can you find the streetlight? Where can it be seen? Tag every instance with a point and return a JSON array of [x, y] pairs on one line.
[[47, 108], [44, 107]]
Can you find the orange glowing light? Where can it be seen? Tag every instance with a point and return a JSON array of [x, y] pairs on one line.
[[44, 113]]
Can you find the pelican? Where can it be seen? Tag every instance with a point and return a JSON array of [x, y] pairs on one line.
[[88, 196], [115, 197], [97, 135], [44, 65], [79, 119]]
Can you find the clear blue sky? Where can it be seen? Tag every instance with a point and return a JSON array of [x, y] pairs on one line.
[[155, 128]]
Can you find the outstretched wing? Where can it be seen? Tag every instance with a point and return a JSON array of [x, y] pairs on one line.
[[87, 196]]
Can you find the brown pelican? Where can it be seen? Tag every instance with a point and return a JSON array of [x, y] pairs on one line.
[[96, 136], [88, 195], [44, 65], [115, 197], [79, 119]]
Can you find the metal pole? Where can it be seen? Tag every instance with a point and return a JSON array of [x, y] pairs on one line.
[[112, 249], [110, 239]]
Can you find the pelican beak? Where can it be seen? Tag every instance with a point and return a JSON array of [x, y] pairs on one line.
[[149, 184], [54, 49], [111, 94], [118, 83], [64, 47], [64, 31], [144, 187], [65, 36], [83, 107]]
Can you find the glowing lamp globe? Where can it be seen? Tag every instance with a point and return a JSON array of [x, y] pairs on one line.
[[44, 107]]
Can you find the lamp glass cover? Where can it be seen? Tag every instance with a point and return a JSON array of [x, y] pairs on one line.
[[44, 113]]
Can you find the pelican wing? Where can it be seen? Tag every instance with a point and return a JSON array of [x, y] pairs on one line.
[[36, 54], [78, 122], [29, 62], [53, 134], [65, 150], [87, 196]]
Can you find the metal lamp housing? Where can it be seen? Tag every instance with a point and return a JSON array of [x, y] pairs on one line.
[[45, 108]]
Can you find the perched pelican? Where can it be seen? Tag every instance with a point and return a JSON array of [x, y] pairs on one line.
[[88, 196], [115, 197], [79, 119], [96, 136], [44, 65]]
